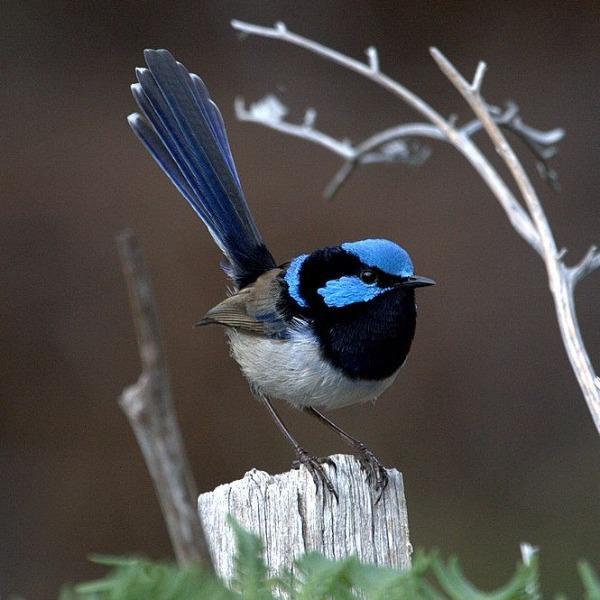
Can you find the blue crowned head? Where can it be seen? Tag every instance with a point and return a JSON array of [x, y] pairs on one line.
[[384, 255], [350, 274]]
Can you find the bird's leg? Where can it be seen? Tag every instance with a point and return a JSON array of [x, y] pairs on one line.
[[313, 464], [373, 467]]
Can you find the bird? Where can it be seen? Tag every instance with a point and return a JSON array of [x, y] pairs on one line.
[[327, 329]]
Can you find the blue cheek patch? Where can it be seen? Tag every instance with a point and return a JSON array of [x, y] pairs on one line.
[[292, 278], [382, 254], [348, 290]]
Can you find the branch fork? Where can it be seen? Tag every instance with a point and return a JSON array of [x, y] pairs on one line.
[[588, 264]]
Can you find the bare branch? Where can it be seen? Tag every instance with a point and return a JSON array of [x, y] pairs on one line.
[[542, 144], [514, 211], [257, 114], [589, 263], [281, 32], [532, 224], [544, 138], [149, 408], [270, 112], [411, 154], [561, 279], [397, 144]]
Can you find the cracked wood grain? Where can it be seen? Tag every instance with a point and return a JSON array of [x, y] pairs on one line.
[[291, 517]]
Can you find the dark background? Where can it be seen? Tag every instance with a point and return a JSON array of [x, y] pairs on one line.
[[486, 421]]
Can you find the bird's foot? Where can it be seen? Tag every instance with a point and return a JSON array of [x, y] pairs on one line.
[[375, 471], [315, 468]]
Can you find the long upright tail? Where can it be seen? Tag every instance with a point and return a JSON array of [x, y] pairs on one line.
[[183, 130]]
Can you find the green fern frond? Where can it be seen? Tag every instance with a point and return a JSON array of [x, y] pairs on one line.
[[315, 578], [250, 568]]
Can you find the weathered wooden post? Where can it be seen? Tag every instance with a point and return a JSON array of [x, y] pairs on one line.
[[291, 517]]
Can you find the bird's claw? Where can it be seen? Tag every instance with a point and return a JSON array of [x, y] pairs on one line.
[[376, 473], [314, 466]]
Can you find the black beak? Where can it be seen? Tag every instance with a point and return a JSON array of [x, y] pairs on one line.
[[413, 282]]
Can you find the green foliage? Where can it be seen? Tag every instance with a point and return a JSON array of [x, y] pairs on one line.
[[133, 578], [591, 581], [316, 578], [250, 569]]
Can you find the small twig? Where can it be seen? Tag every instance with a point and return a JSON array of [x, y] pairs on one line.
[[478, 78], [589, 263], [149, 408], [270, 110], [378, 140], [338, 180], [373, 57]]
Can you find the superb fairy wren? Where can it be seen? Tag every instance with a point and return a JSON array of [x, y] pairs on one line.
[[325, 330]]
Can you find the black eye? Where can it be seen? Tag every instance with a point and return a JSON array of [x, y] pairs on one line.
[[369, 277]]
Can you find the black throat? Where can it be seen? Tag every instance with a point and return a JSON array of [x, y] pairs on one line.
[[369, 340], [365, 340]]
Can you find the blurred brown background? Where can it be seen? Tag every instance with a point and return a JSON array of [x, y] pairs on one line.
[[486, 422]]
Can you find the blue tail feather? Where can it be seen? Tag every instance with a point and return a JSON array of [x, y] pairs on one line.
[[184, 132], [219, 125]]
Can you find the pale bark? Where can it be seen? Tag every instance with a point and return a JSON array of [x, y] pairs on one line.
[[291, 517]]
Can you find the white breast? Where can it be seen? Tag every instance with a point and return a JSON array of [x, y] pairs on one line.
[[293, 370]]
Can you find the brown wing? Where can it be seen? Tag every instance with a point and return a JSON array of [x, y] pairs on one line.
[[252, 309]]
